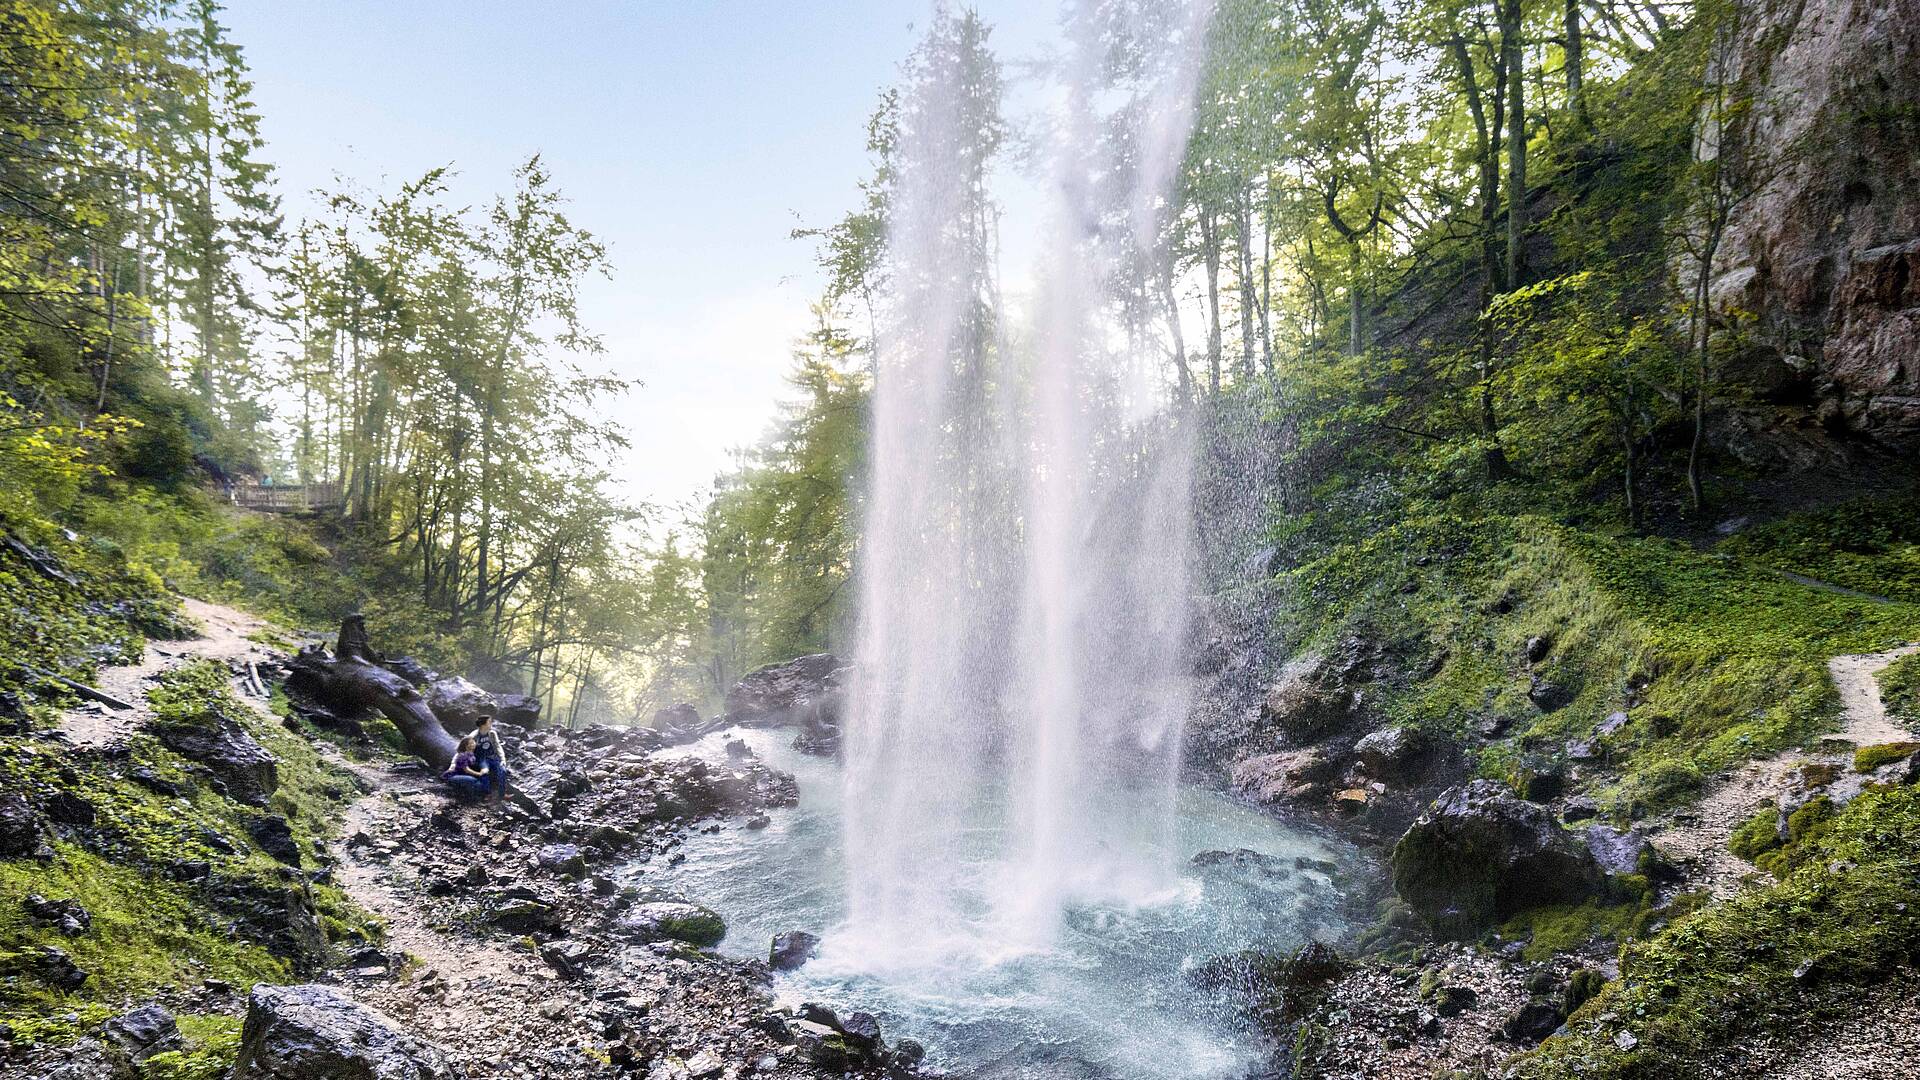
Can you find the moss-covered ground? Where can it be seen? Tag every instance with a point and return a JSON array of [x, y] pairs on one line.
[[1712, 657], [177, 891]]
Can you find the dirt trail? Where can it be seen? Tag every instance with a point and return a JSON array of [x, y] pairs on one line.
[[226, 635], [1697, 836]]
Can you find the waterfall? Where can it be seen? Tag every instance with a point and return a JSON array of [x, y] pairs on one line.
[[1024, 569]]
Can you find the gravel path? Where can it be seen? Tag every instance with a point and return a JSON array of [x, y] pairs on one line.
[[226, 636], [1696, 836]]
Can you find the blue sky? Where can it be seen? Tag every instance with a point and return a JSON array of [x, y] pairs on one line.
[[691, 136]]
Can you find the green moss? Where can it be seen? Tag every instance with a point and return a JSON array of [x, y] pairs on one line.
[[1758, 835], [150, 930], [1715, 659], [1871, 545], [1900, 689], [1869, 758], [1847, 912], [212, 1044]]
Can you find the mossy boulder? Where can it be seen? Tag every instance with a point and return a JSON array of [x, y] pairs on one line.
[[670, 920], [1480, 855], [1868, 758]]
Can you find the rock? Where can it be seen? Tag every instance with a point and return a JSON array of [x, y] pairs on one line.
[[1548, 695], [275, 837], [1479, 855], [317, 1033], [673, 920], [562, 859], [738, 748], [66, 808], [21, 833], [909, 1052], [1614, 722], [66, 916], [1289, 776], [222, 745], [459, 704], [791, 949], [1310, 699], [143, 1032], [862, 1030], [55, 968], [1451, 1001], [808, 690], [1538, 647], [279, 915], [1820, 267], [527, 917], [1616, 852], [820, 1044], [1531, 1022], [1579, 808], [1396, 755], [569, 958]]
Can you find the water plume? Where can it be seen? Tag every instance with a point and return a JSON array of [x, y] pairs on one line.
[[1025, 561]]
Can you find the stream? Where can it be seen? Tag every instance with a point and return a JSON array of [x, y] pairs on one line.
[[1108, 998]]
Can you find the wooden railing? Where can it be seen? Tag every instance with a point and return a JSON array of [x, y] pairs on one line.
[[286, 498]]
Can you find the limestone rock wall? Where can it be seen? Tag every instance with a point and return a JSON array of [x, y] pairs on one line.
[[1825, 257]]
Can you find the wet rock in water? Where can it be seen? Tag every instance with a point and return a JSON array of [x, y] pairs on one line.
[[562, 859], [318, 1033], [820, 1044], [275, 837], [66, 916], [143, 1032], [791, 950], [21, 833], [1531, 1022], [862, 1030], [909, 1052], [1396, 755], [222, 745], [738, 749], [676, 921], [1479, 855]]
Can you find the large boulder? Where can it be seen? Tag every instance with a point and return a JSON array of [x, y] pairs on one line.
[[670, 920], [1288, 776], [459, 704], [1479, 855], [1396, 755], [1316, 693], [143, 1032], [220, 743], [808, 691], [318, 1033]]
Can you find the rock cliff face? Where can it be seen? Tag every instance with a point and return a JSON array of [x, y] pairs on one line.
[[1825, 257]]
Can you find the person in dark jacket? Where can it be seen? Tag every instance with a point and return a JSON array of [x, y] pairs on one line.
[[491, 756]]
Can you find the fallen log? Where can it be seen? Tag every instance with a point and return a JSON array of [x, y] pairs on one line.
[[353, 681]]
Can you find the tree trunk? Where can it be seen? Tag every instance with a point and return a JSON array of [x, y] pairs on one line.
[[1576, 96], [1210, 250], [1510, 48], [352, 681]]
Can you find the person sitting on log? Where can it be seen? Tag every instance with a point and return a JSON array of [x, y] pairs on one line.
[[468, 779], [487, 750]]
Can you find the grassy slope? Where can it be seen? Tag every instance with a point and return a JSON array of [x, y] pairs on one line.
[[1716, 657], [151, 932]]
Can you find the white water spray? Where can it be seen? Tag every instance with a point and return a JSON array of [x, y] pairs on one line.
[[1015, 737]]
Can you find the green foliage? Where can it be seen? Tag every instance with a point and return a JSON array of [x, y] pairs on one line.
[[1845, 915], [1869, 758], [151, 930], [1871, 545], [1900, 689]]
